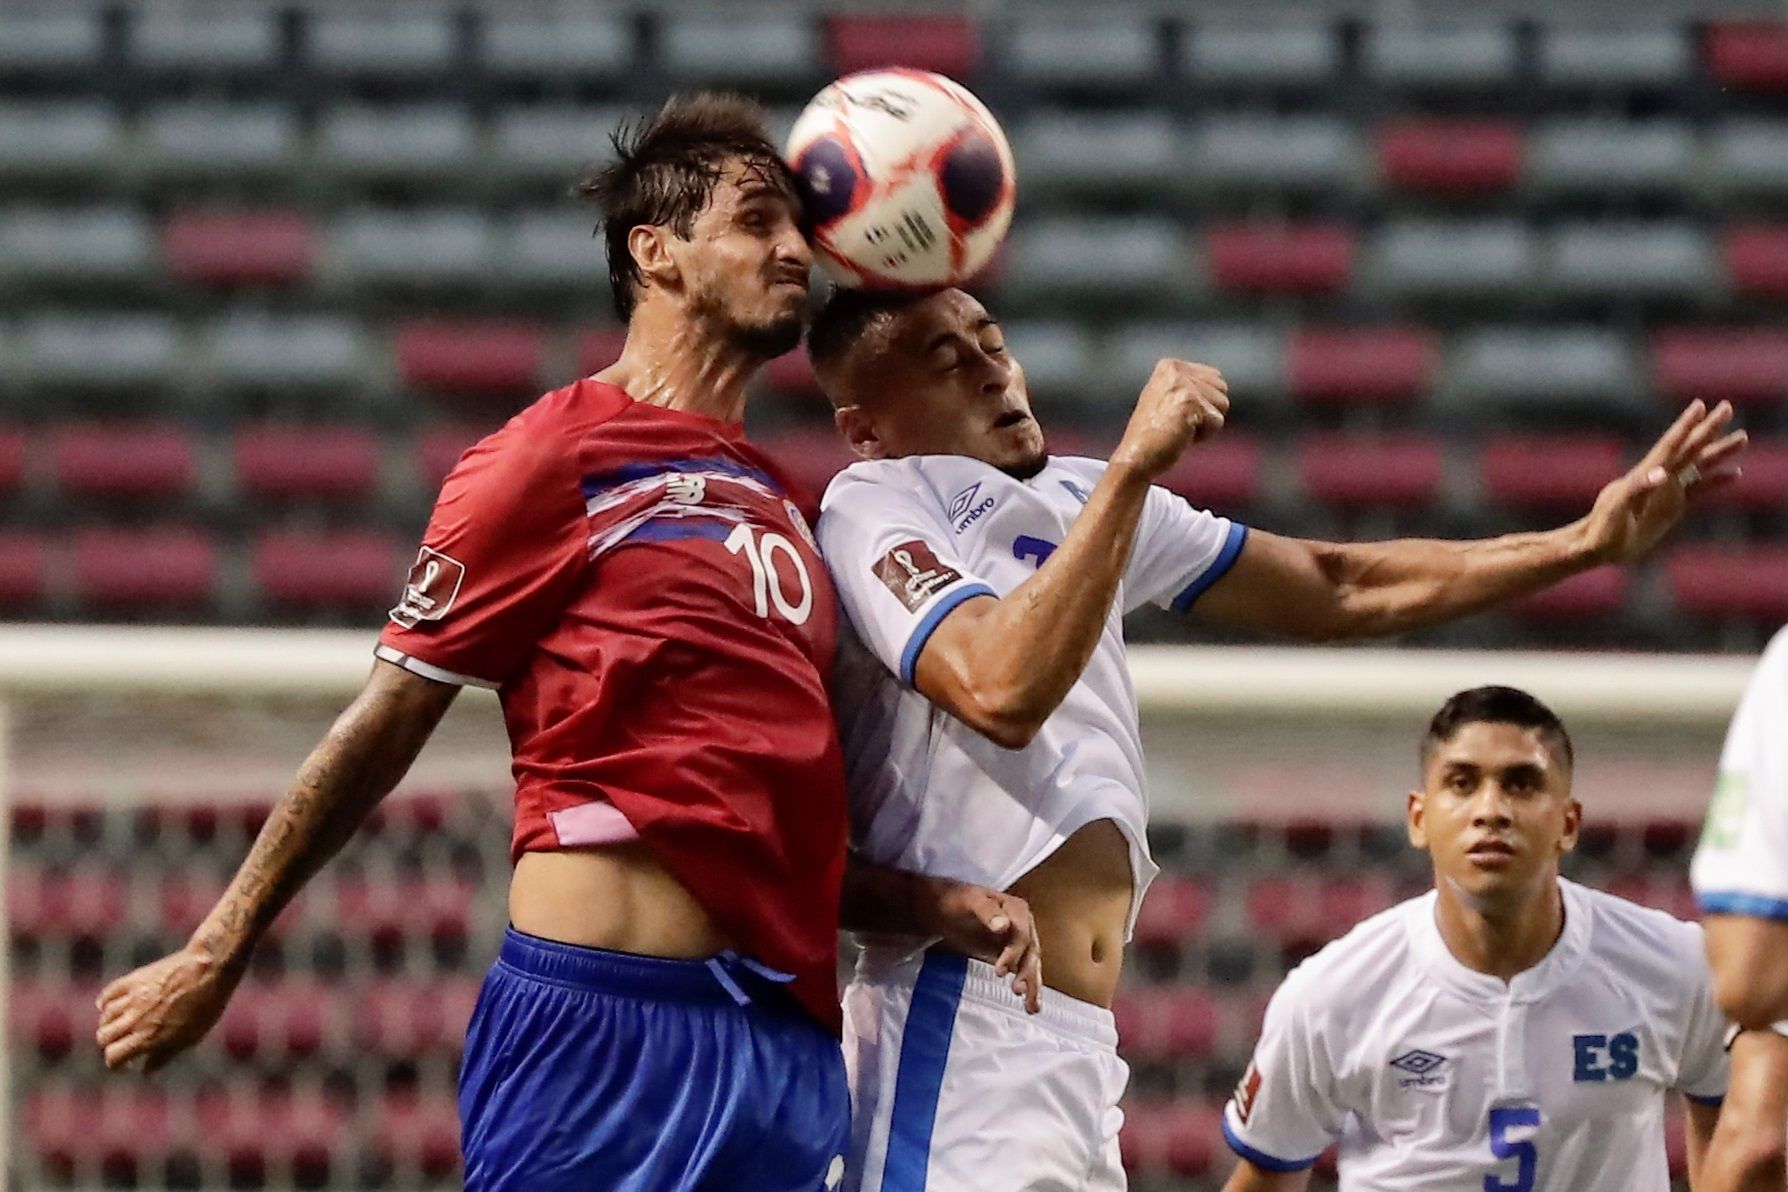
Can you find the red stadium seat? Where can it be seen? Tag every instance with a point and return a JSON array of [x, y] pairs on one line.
[[1553, 472], [417, 1132], [12, 460], [1757, 259], [469, 357], [51, 1017], [1764, 485], [1367, 364], [307, 461], [269, 1132], [24, 568], [91, 1127], [1173, 913], [810, 457], [1745, 365], [1276, 258], [949, 45], [1172, 1138], [1454, 157], [153, 567], [1164, 1024], [409, 1018], [792, 373], [350, 570], [287, 1020], [1588, 596], [439, 448], [599, 348], [1662, 891], [1223, 474], [1303, 910], [122, 459], [224, 248], [84, 903], [391, 910], [1730, 582], [1350, 471], [1748, 55]]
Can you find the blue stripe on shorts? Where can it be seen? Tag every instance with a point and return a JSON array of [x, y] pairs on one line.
[[924, 1050]]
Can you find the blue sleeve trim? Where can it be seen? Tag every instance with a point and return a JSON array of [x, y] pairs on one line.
[[1232, 549], [1737, 902], [1711, 1102], [919, 1079], [909, 657], [1261, 1159]]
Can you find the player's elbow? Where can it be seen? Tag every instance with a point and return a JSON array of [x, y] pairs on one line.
[[1746, 999], [1004, 713], [1750, 1152]]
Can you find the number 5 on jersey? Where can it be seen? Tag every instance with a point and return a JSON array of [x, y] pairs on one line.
[[761, 552], [1511, 1137]]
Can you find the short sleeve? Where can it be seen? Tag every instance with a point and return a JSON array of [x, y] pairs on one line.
[[892, 563], [1741, 863], [1703, 1069], [502, 555], [1180, 551], [1283, 1114]]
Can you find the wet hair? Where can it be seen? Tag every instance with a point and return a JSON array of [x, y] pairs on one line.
[[847, 316], [665, 170], [1497, 705]]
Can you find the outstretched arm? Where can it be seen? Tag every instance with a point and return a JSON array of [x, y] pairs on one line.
[[1746, 1150], [1323, 591], [162, 1008]]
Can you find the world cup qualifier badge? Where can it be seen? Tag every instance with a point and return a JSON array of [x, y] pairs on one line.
[[914, 573], [430, 591]]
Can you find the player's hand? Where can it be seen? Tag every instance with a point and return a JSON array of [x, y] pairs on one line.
[[1695, 457], [1182, 404], [992, 927], [161, 1009]]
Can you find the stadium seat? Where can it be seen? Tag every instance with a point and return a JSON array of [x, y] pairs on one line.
[[1172, 1138], [414, 141], [404, 1017], [229, 248], [1361, 365], [1300, 910], [24, 569], [1262, 258], [156, 568], [1057, 356], [1669, 893], [72, 247], [1174, 912], [34, 41], [213, 139], [1266, 55], [383, 44], [417, 1132], [412, 249], [86, 902], [1568, 374], [1555, 473], [434, 906], [202, 42], [354, 570], [291, 1137], [1251, 356], [137, 460], [57, 138], [1606, 56], [469, 357], [1111, 51], [1747, 366], [1763, 487], [1417, 259], [1748, 158], [1620, 260], [552, 142], [599, 347], [107, 1127], [1222, 475], [13, 443], [1450, 157], [1612, 157], [49, 1017], [553, 249], [1353, 471], [1598, 596], [1095, 258], [1757, 259], [1748, 55], [109, 352], [305, 352], [439, 448], [1730, 583], [810, 457], [948, 45], [773, 52], [1460, 57], [792, 374], [338, 462], [1251, 152], [582, 44], [1098, 152], [282, 1021], [1165, 1025]]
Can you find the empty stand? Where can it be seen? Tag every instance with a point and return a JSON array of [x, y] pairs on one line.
[[1109, 52], [1451, 157], [1553, 473], [579, 44], [1361, 365], [1223, 475], [1749, 55], [1440, 57], [1280, 258], [948, 45], [1291, 55], [228, 248], [1756, 259], [1727, 583], [212, 42], [1609, 57], [153, 570], [1743, 365], [325, 462], [1596, 597], [312, 571], [122, 460], [1355, 472], [469, 357]]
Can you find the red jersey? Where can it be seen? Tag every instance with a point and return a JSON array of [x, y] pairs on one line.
[[651, 608]]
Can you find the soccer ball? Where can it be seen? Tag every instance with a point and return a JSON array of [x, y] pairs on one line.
[[907, 179]]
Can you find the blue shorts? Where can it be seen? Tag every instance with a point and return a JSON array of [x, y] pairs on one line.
[[590, 1070]]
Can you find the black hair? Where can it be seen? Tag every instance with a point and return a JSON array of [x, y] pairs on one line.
[[846, 317], [1497, 705]]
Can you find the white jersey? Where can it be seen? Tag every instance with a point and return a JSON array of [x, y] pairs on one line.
[[907, 541], [1437, 1077], [1741, 864]]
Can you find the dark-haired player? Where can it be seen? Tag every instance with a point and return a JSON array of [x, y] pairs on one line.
[[992, 734], [635, 580], [1509, 1031]]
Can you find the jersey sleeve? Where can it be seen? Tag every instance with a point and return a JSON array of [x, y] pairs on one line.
[[894, 566], [1283, 1115], [1180, 551], [1741, 863], [502, 554], [1704, 1067]]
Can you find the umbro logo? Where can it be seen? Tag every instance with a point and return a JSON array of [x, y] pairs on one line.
[[966, 509], [1420, 1065], [959, 504]]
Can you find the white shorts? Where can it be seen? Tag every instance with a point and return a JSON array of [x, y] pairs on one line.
[[954, 1088]]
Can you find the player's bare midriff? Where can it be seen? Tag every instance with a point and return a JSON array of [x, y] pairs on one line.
[[617, 896], [1080, 900]]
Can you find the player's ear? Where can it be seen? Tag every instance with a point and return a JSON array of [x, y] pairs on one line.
[[859, 433], [1413, 811], [649, 245], [1573, 823]]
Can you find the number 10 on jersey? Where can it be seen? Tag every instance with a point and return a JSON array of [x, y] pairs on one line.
[[761, 551]]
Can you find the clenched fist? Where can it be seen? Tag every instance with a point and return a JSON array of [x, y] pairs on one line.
[[1183, 403]]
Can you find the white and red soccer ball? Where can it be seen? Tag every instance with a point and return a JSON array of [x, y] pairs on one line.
[[907, 179]]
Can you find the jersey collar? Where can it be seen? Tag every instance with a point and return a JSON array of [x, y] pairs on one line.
[[1530, 985]]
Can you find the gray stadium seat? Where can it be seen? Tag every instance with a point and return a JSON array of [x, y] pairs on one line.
[[1097, 257], [554, 249], [33, 40], [218, 138], [1261, 55], [775, 51], [1057, 357], [1460, 56], [418, 139], [1112, 50], [383, 45], [576, 46], [409, 249], [1750, 157], [203, 40], [1452, 258], [50, 137], [1614, 57], [256, 351], [111, 245], [1546, 375], [552, 141], [1593, 156], [1251, 356], [99, 351], [1631, 260], [1275, 153], [1098, 151]]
